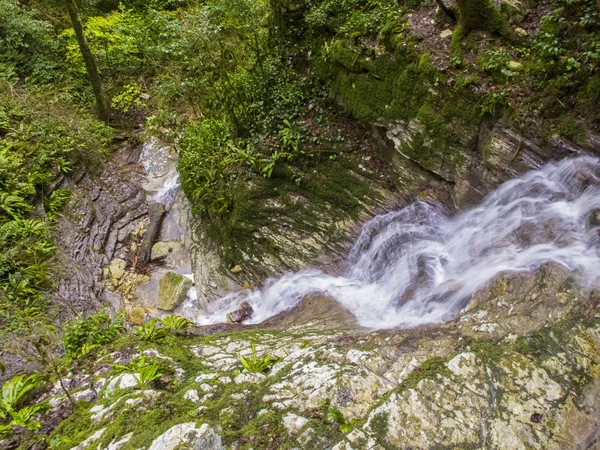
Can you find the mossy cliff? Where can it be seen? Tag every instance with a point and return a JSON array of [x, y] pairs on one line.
[[458, 103]]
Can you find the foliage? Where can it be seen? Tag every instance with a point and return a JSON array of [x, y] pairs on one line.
[[12, 396], [175, 323], [335, 416], [29, 47], [254, 364], [149, 331], [490, 102], [40, 140], [148, 374], [492, 61], [350, 17], [83, 334]]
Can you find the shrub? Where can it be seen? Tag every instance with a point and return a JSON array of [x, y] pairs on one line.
[[83, 334], [30, 47]]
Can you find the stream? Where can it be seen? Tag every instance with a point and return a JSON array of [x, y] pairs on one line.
[[418, 265]]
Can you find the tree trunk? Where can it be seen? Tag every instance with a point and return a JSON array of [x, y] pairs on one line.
[[480, 15], [448, 11], [102, 107], [598, 5]]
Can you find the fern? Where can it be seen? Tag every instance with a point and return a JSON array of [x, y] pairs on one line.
[[13, 393], [55, 202], [255, 364], [149, 332], [175, 323], [148, 374]]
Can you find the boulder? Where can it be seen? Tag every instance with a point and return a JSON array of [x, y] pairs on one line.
[[242, 313], [186, 435], [162, 249], [172, 291]]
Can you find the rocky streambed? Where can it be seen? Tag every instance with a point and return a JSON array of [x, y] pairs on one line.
[[517, 369]]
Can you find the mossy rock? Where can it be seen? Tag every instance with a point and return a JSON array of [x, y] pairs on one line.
[[172, 291], [137, 315]]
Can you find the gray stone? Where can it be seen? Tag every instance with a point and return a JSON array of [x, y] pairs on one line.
[[161, 250], [186, 435]]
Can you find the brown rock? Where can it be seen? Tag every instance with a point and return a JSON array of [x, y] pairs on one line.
[[242, 313]]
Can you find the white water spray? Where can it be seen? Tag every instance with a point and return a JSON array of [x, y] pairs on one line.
[[418, 266]]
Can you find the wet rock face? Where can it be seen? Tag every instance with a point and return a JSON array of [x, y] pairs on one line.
[[173, 289], [490, 154], [104, 210]]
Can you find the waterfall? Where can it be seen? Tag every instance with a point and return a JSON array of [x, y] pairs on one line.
[[419, 265]]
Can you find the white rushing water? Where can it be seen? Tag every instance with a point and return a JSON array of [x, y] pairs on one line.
[[418, 265]]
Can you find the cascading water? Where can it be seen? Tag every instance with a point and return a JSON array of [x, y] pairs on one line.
[[418, 266]]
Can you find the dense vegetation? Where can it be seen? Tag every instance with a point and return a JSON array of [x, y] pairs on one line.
[[261, 97]]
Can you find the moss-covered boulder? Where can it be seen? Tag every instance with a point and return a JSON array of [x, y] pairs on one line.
[[172, 290]]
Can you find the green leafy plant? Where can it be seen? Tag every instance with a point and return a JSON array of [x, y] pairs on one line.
[[490, 102], [493, 61], [175, 323], [334, 415], [290, 136], [55, 202], [150, 332], [256, 364], [12, 395], [147, 374], [133, 366], [83, 334]]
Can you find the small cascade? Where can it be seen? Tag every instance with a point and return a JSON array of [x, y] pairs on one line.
[[419, 265], [162, 186]]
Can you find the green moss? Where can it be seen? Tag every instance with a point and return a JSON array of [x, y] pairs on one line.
[[408, 89], [379, 429], [569, 127], [332, 190], [320, 434], [74, 430], [488, 351], [428, 370], [480, 15]]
